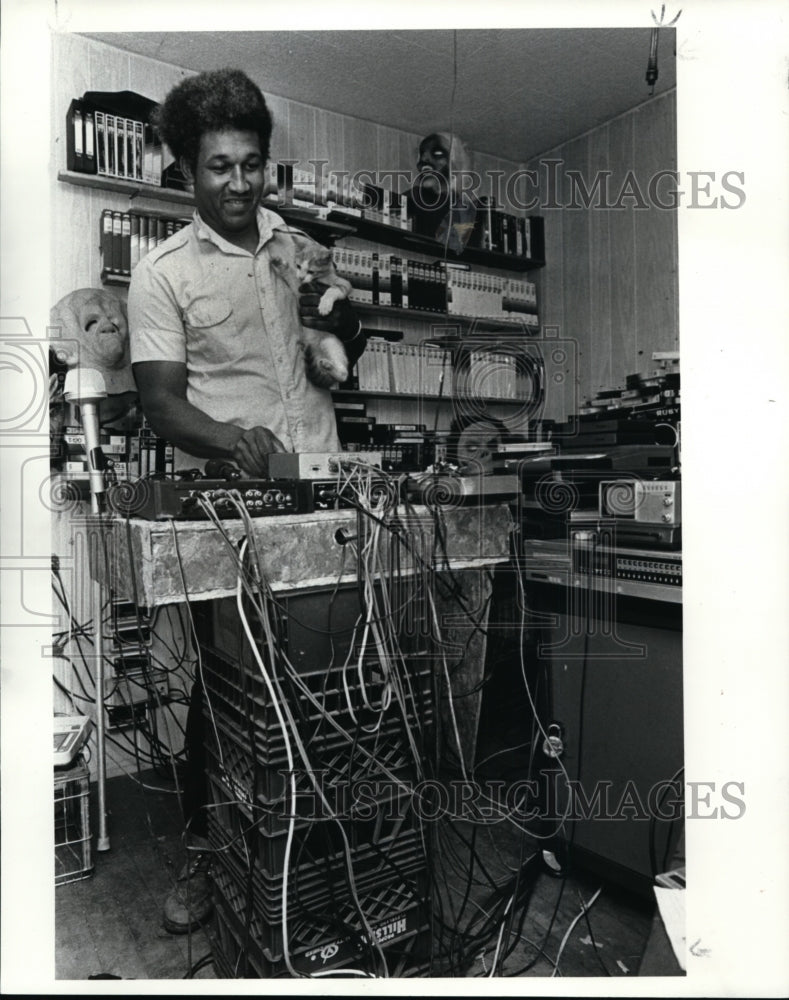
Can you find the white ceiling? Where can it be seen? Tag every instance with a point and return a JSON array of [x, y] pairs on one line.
[[510, 92]]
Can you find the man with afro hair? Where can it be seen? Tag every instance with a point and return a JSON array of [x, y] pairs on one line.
[[213, 320], [214, 327]]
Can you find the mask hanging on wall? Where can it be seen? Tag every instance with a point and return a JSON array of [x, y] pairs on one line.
[[91, 331], [439, 202]]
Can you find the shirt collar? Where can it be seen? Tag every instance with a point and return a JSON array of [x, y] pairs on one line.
[[265, 219]]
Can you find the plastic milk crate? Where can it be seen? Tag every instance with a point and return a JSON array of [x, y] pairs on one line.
[[73, 858]]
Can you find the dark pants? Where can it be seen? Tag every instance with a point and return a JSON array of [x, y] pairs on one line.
[[195, 790]]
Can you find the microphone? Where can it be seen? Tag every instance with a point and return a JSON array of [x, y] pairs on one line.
[[86, 388]]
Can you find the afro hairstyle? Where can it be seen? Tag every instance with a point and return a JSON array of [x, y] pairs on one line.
[[212, 102]]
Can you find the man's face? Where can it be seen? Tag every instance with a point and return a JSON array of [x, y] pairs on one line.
[[228, 182]]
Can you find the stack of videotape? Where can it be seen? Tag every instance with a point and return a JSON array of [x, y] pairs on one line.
[[645, 412], [502, 232], [127, 237], [651, 394], [336, 875], [112, 144]]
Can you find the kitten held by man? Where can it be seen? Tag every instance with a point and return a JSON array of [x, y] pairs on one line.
[[327, 363]]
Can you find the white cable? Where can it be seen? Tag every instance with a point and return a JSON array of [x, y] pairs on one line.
[[585, 907], [501, 936], [291, 771], [292, 816], [450, 696]]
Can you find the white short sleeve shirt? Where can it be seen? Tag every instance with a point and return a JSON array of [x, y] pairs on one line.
[[232, 318]]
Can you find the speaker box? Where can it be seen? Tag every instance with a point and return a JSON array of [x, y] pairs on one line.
[[615, 721]]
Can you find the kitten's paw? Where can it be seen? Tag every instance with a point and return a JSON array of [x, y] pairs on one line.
[[324, 373], [327, 300]]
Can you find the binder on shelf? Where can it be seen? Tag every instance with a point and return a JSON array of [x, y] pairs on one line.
[[106, 240], [151, 234], [117, 235], [112, 145], [101, 142], [139, 146], [397, 353], [134, 242], [125, 243], [80, 138], [152, 156], [129, 154], [90, 142], [120, 147]]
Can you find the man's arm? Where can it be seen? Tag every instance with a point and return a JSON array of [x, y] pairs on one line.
[[162, 388]]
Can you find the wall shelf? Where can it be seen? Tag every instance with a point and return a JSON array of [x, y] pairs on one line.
[[446, 320], [447, 398], [134, 189], [406, 239], [322, 229]]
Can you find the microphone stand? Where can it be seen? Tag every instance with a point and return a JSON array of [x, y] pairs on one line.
[[102, 839], [87, 394]]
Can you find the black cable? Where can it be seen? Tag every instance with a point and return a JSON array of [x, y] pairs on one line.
[[199, 965], [71, 694]]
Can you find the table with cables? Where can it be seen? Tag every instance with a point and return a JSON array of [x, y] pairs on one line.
[[341, 653]]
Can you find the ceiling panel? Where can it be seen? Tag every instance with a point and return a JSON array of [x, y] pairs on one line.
[[512, 93]]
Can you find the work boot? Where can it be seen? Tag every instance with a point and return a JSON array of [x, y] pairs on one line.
[[190, 902]]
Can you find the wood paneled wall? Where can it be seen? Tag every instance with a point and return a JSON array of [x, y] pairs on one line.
[[610, 284], [609, 288], [301, 132]]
